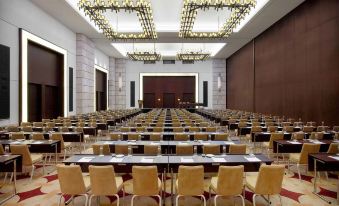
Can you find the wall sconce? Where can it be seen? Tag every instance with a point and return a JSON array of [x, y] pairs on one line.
[[120, 82], [179, 99], [219, 82]]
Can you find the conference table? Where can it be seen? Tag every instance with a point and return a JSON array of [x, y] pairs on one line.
[[169, 163], [323, 162], [10, 163], [167, 147], [166, 135], [295, 146]]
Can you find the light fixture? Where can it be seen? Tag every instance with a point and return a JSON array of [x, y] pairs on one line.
[[219, 82], [193, 56], [96, 11], [239, 8], [120, 82], [144, 56]]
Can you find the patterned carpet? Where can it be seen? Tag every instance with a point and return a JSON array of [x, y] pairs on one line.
[[43, 191]]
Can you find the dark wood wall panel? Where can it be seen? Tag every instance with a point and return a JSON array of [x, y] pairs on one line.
[[240, 79], [101, 90], [163, 88], [296, 66]]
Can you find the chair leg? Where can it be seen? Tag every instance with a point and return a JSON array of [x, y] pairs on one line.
[[204, 199], [60, 200], [209, 195], [86, 201], [176, 200], [298, 168], [242, 200], [32, 172], [118, 199], [132, 200], [90, 200], [160, 202], [280, 199], [215, 200], [253, 199]]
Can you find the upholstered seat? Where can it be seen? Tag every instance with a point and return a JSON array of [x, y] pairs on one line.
[[237, 149]]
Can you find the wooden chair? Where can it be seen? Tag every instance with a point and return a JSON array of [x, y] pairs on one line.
[[211, 149], [237, 149]]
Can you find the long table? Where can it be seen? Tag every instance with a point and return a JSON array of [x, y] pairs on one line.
[[287, 146], [323, 162], [168, 147], [11, 163]]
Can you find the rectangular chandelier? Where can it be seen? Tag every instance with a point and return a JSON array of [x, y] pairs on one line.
[[193, 56], [95, 10], [239, 8], [144, 56]]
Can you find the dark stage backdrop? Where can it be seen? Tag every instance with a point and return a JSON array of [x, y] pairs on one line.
[[164, 91], [292, 68]]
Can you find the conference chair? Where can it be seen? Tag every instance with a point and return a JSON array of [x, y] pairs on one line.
[[155, 137], [27, 129], [237, 149], [101, 149], [203, 137], [121, 149], [211, 149], [17, 136], [115, 137], [38, 136], [151, 149], [221, 137], [181, 137], [178, 129], [184, 150]]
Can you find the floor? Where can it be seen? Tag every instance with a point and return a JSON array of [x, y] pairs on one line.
[[43, 190]]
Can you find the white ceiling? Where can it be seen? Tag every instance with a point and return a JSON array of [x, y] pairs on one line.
[[167, 22]]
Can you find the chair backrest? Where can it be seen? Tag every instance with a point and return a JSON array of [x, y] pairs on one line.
[[48, 129], [298, 135], [25, 124], [79, 129], [286, 124], [308, 129], [12, 128], [115, 137], [203, 124], [50, 124], [194, 129], [269, 124], [63, 129], [275, 136], [336, 128], [333, 148], [242, 124], [71, 180], [269, 180], [17, 135], [322, 128], [67, 124], [178, 129], [22, 150], [203, 137], [38, 124], [190, 180], [176, 124], [184, 150], [99, 149], [124, 129], [38, 136], [211, 149], [102, 179], [255, 129], [288, 128], [317, 135], [133, 136], [141, 129], [158, 129], [58, 136], [255, 124], [155, 137], [121, 149], [2, 151], [80, 124], [221, 137], [211, 129], [230, 180], [27, 129], [307, 149], [272, 128], [181, 137], [145, 180], [237, 149], [151, 149]]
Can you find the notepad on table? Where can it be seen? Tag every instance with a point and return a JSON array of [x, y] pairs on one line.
[[293, 142], [186, 159], [86, 159], [115, 159], [183, 143], [252, 159], [155, 143], [229, 142], [334, 157], [218, 159], [38, 142], [147, 160]]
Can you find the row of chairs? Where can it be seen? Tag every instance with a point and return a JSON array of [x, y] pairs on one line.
[[175, 129], [102, 181]]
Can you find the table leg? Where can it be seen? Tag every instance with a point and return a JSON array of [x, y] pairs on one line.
[[172, 176], [56, 154], [14, 174], [315, 176]]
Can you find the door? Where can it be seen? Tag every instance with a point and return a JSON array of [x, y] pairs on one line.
[[149, 100], [168, 100], [52, 108], [34, 102]]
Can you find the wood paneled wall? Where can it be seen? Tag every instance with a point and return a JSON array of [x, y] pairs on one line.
[[168, 89], [292, 68]]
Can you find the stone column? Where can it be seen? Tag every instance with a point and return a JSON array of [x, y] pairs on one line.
[[111, 84], [219, 95], [84, 74], [120, 93]]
